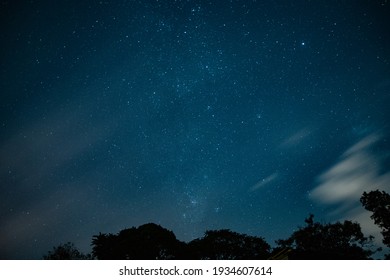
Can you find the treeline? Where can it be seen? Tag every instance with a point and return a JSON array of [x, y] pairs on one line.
[[319, 241]]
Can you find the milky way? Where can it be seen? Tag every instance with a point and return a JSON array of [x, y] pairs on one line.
[[196, 115]]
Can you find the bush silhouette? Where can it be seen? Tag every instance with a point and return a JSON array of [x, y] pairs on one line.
[[66, 251]]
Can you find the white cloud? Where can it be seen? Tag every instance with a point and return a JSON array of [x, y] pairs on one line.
[[363, 144], [342, 185]]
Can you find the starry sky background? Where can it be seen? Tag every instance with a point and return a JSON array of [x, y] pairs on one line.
[[195, 115]]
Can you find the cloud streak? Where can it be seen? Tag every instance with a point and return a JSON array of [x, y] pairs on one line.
[[296, 138], [265, 181]]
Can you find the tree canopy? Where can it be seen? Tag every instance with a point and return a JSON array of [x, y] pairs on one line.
[[328, 241], [227, 245], [335, 241], [152, 241], [147, 242]]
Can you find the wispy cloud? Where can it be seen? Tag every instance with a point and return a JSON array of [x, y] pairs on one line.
[[38, 205], [296, 138], [264, 181], [342, 185]]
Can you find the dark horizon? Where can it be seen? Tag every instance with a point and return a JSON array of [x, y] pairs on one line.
[[195, 115]]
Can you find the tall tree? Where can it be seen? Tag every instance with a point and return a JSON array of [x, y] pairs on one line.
[[328, 241], [105, 247], [378, 202]]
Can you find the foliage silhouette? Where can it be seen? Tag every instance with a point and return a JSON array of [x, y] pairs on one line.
[[66, 251], [147, 242], [335, 241], [379, 203], [227, 245], [151, 241]]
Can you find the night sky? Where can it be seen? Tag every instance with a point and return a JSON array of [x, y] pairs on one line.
[[194, 115]]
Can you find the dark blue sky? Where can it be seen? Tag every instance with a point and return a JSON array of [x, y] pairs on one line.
[[195, 115]]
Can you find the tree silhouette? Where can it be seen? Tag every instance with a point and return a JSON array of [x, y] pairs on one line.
[[105, 247], [227, 245], [147, 242], [334, 241], [66, 251], [328, 241], [379, 203]]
